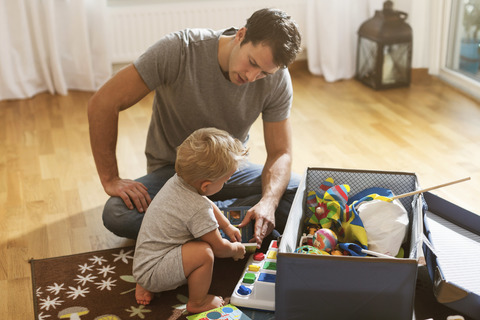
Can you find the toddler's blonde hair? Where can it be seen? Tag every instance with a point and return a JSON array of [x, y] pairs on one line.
[[209, 154]]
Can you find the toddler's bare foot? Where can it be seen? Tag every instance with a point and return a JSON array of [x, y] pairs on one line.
[[142, 295], [210, 302]]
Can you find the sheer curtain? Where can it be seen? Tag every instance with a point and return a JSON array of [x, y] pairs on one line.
[[52, 45], [331, 38]]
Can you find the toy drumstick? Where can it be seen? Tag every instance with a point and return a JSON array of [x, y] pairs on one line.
[[428, 189], [355, 250], [377, 254]]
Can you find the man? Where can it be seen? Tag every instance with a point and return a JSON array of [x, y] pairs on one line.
[[204, 78]]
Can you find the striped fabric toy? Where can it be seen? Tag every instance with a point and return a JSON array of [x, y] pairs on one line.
[[328, 208]]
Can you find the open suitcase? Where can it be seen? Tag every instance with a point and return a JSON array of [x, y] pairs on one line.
[[336, 287], [342, 287]]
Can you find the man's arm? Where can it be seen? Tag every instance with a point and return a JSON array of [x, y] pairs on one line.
[[275, 177], [119, 93]]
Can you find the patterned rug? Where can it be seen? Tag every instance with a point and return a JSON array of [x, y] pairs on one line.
[[99, 286]]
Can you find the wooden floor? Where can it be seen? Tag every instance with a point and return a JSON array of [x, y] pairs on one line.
[[51, 198]]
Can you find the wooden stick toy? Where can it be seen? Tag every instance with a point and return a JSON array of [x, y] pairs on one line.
[[428, 189]]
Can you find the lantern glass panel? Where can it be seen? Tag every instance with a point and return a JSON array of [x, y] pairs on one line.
[[395, 63], [367, 57]]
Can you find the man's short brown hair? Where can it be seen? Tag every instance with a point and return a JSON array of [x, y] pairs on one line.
[[276, 29]]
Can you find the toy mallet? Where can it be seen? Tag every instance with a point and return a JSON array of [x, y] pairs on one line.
[[428, 189]]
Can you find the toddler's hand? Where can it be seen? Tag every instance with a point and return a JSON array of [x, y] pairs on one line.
[[238, 251], [233, 233]]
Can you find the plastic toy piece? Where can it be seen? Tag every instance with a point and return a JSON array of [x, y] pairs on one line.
[[259, 293], [244, 291], [270, 265], [267, 277], [310, 250], [253, 267], [259, 256], [249, 278], [272, 255]]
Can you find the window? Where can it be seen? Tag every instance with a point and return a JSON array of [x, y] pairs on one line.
[[463, 51]]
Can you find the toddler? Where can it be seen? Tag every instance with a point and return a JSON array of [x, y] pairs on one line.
[[179, 236]]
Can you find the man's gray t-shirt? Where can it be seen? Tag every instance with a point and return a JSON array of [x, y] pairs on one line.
[[177, 214], [191, 92]]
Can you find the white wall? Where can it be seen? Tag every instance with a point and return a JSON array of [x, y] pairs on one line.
[[418, 11], [134, 27]]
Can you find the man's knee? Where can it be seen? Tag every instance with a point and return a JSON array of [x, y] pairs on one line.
[[120, 220]]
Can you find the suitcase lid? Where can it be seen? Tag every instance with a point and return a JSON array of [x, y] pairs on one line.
[[451, 247]]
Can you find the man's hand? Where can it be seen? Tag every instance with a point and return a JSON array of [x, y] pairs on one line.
[[130, 191], [264, 222]]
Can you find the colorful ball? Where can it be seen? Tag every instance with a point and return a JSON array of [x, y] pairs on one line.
[[325, 239], [310, 250]]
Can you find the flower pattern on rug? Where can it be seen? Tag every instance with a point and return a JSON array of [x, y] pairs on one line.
[[97, 272]]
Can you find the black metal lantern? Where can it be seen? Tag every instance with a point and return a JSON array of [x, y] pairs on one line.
[[384, 50]]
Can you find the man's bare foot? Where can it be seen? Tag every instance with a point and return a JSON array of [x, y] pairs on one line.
[[142, 295], [210, 302]]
